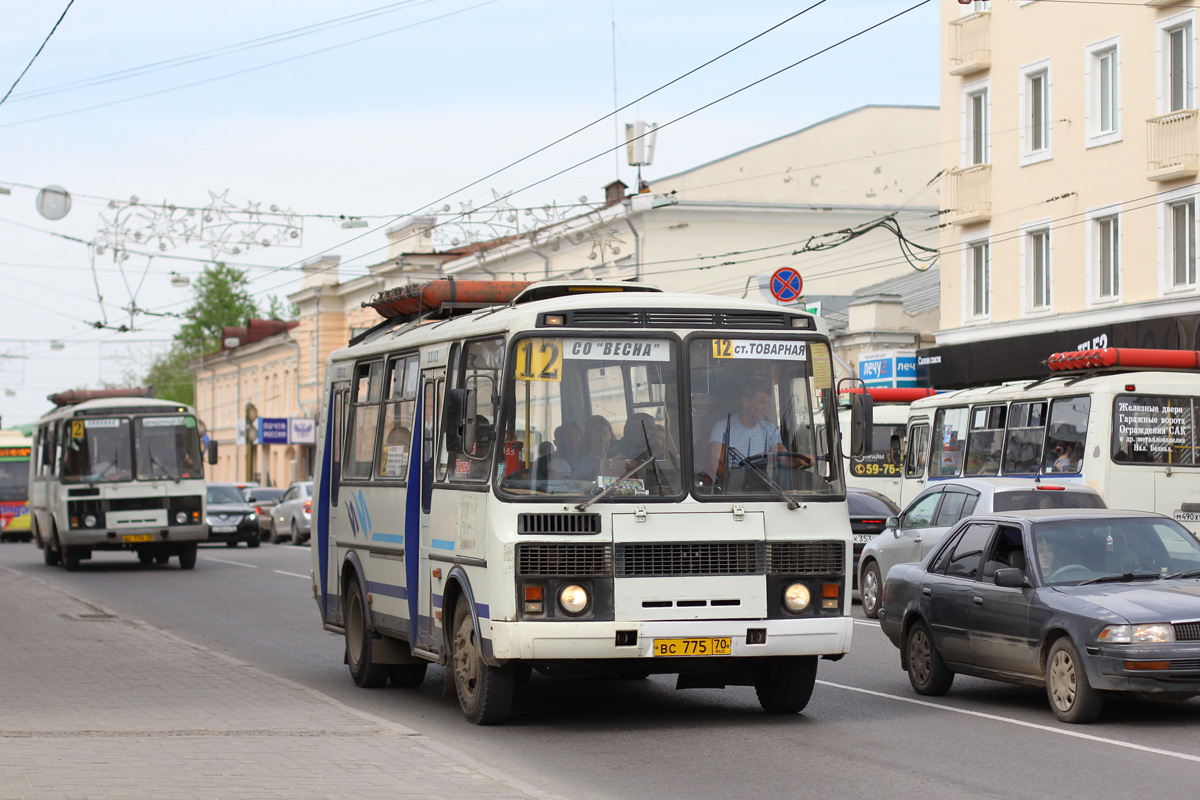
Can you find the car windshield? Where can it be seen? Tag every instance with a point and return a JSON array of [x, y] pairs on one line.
[[97, 450], [1027, 499], [225, 494], [583, 413], [1078, 551], [265, 495], [762, 418]]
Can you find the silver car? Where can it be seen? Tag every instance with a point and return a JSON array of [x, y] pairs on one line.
[[292, 517], [919, 528]]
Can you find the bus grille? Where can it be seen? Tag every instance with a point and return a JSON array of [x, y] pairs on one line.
[[806, 558], [134, 503], [1187, 632], [689, 558], [681, 318], [558, 523], [575, 560]]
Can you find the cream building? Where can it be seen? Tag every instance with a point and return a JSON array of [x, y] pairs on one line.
[[1070, 134]]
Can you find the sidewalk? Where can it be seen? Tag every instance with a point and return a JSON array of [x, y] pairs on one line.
[[93, 706]]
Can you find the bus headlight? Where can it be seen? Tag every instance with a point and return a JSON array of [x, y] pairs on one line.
[[181, 517], [796, 597], [573, 599], [89, 521]]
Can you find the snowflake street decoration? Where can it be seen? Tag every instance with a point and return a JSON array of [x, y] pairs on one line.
[[221, 227], [547, 226]]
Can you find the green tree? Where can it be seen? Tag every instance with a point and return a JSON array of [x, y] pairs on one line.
[[280, 309], [222, 298]]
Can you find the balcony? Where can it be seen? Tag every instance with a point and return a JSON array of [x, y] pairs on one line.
[[970, 195], [1172, 146], [971, 43]]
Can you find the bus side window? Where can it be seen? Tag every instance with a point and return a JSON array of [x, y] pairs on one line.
[[949, 441], [1067, 433], [986, 441], [918, 450], [340, 399], [1026, 429], [364, 421]]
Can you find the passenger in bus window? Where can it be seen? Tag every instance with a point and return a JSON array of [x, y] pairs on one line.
[[559, 463], [633, 438], [597, 452]]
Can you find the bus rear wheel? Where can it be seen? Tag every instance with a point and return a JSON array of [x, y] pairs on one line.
[[785, 684], [50, 551], [485, 692], [187, 556], [365, 672], [70, 558]]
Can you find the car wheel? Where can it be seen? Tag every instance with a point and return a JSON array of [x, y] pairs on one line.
[[485, 692], [784, 685], [295, 533], [253, 541], [187, 556], [926, 671], [871, 590], [1071, 697], [365, 672], [272, 536]]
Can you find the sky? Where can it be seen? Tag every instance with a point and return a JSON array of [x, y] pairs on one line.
[[145, 110]]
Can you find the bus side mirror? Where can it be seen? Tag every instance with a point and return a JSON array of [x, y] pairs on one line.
[[862, 423], [461, 420], [212, 451]]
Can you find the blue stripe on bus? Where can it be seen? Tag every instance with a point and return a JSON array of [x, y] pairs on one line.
[[387, 589], [482, 609], [442, 544], [397, 538], [436, 601], [412, 517], [322, 543]]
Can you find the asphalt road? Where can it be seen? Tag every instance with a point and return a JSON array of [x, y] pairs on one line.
[[865, 733]]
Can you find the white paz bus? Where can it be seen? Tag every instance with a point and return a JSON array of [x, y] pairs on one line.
[[115, 472], [593, 478], [1112, 419]]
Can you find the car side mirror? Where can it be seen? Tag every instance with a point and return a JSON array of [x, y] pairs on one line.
[[1011, 578], [893, 525]]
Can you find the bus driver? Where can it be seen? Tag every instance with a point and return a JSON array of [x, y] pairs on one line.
[[748, 433]]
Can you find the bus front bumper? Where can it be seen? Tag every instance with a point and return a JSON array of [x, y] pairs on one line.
[[132, 538], [548, 641]]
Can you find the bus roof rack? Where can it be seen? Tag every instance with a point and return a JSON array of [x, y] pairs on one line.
[[892, 394], [449, 297], [74, 396]]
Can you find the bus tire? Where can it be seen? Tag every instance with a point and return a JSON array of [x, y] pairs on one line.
[[70, 558], [365, 672], [187, 556], [485, 693], [162, 557], [145, 557], [50, 552], [870, 589], [785, 684]]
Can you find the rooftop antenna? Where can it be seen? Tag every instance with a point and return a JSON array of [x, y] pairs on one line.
[[639, 147]]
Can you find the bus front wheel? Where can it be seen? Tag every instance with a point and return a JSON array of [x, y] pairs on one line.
[[187, 556], [785, 684], [365, 672], [485, 692]]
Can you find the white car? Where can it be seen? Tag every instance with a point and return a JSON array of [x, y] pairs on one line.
[[909, 537], [292, 517]]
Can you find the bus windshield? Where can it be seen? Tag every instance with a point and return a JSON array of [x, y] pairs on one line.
[[763, 418], [589, 413], [14, 479], [167, 447], [97, 449]]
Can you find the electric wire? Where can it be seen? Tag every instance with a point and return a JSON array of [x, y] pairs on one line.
[[39, 51]]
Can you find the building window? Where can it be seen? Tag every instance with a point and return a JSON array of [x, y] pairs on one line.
[[1037, 268], [1103, 101], [1177, 79], [1035, 112], [1108, 257], [976, 124], [1181, 221], [979, 279]]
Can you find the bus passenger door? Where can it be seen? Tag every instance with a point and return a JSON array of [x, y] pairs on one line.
[[916, 460], [432, 383]]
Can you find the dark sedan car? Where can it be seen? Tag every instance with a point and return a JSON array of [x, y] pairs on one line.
[[1079, 601], [230, 518], [869, 512]]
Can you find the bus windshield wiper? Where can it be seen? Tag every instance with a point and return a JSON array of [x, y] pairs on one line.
[[154, 460], [1187, 573], [607, 490], [779, 491], [1125, 577]]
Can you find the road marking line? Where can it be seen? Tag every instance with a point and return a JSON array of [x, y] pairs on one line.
[[1046, 728], [293, 574], [867, 622], [235, 563]]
